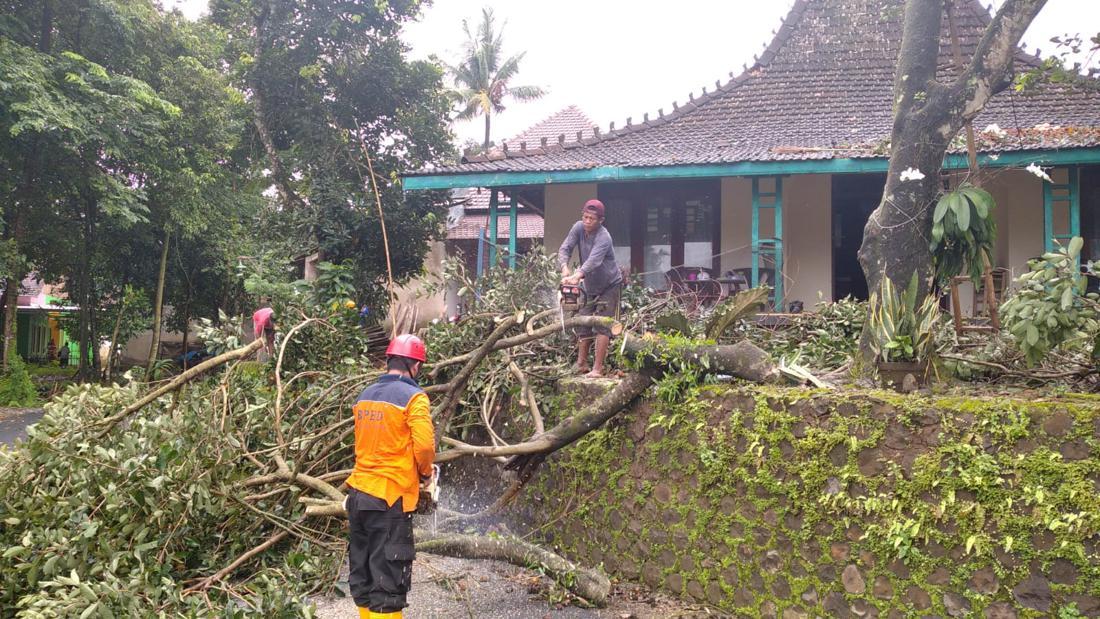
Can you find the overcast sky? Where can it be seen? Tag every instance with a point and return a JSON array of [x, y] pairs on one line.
[[619, 58]]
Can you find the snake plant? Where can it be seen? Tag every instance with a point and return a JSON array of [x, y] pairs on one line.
[[900, 329]]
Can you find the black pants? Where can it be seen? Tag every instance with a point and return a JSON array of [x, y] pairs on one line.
[[380, 551]]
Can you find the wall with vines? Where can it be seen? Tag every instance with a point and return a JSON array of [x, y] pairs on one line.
[[796, 503]]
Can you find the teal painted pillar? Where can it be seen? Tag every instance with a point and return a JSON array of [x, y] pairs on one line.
[[480, 252], [772, 247], [1062, 196], [493, 201], [513, 229]]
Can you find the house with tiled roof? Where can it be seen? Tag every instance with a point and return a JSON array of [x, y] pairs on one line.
[[468, 220], [774, 171]]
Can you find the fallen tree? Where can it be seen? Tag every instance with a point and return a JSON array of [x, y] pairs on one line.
[[226, 483]]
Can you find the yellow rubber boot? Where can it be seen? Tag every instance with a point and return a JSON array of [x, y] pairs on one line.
[[393, 615], [364, 613]]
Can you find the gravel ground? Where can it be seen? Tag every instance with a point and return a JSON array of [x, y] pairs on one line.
[[450, 588]]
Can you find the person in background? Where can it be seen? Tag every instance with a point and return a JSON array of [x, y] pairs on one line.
[[63, 355]]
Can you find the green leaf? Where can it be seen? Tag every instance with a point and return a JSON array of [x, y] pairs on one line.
[[941, 209], [1032, 335], [1067, 298], [962, 212], [937, 235], [1075, 245], [981, 199]]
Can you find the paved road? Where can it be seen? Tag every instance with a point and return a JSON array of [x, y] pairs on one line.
[[13, 423], [452, 588]]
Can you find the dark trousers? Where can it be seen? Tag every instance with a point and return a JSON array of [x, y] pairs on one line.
[[380, 551]]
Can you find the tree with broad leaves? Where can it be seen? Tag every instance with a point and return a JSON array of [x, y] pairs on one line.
[[483, 76], [927, 116], [328, 85]]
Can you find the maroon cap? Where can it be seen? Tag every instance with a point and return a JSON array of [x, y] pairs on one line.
[[595, 206]]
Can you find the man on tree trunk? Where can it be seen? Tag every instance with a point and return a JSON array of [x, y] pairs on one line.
[[928, 114], [601, 278]]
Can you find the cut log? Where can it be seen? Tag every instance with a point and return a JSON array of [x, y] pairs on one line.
[[582, 582], [741, 360]]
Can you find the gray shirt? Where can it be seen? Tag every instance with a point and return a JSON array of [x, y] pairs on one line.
[[597, 258]]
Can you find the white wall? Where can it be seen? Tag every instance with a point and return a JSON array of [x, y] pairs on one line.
[[415, 292], [807, 243], [563, 209], [1019, 215], [807, 238]]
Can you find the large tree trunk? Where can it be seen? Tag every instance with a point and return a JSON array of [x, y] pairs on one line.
[[186, 324], [11, 306], [259, 112], [485, 145], [158, 305], [927, 117], [31, 166], [84, 368], [109, 371], [588, 584]]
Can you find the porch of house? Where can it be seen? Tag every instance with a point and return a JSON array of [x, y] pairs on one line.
[[807, 227]]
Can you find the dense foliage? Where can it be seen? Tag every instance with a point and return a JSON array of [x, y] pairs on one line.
[[1052, 310], [124, 525], [963, 233], [16, 386], [141, 149]]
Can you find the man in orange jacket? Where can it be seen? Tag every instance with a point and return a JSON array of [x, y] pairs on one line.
[[394, 450]]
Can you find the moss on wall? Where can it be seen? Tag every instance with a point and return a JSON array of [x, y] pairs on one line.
[[799, 503]]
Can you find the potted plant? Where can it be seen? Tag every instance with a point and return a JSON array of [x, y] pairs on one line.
[[902, 335]]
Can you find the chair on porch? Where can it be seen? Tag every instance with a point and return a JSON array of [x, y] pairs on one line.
[[696, 286], [984, 304], [767, 277]]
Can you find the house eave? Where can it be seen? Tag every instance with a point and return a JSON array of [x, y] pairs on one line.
[[604, 174]]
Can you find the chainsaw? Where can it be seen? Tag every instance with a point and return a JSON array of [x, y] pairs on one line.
[[570, 299], [429, 493]]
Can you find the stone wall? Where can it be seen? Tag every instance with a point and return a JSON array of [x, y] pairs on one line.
[[802, 504]]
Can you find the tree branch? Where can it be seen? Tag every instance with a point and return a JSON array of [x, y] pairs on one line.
[[990, 70], [180, 381]]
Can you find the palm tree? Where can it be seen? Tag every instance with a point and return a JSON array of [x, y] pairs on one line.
[[482, 77]]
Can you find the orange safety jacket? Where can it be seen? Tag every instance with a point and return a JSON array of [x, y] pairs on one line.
[[394, 440]]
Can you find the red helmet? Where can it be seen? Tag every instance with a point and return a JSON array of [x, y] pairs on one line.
[[262, 319], [407, 345]]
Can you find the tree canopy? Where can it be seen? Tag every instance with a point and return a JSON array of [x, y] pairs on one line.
[[132, 138]]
